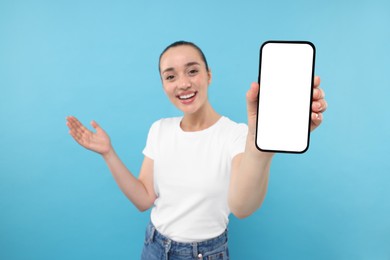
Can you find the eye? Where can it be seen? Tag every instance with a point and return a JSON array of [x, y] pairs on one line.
[[169, 77], [193, 71]]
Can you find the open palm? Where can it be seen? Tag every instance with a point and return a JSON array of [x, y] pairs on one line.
[[97, 141]]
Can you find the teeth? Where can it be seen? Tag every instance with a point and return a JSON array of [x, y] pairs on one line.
[[187, 96]]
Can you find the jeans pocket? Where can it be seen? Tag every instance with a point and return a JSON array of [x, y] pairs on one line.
[[217, 256], [221, 253]]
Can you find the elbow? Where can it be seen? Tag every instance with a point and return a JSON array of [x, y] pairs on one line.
[[143, 208], [240, 211], [143, 205], [241, 215]]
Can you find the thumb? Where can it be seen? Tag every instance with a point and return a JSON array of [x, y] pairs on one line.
[[252, 99], [95, 125]]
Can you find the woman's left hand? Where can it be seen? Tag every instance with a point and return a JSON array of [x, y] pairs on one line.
[[318, 105]]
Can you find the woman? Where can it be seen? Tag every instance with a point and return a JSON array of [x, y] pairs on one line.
[[197, 168]]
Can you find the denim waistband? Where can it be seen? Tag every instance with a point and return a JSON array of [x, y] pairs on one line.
[[195, 249]]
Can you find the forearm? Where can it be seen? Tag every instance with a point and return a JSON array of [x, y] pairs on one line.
[[249, 180], [133, 188]]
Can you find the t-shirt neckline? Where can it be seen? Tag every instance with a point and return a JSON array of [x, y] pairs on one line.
[[200, 132]]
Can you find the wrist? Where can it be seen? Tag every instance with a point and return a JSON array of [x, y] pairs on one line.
[[109, 153], [254, 152]]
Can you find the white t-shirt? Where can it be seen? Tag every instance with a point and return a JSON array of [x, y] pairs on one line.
[[191, 177]]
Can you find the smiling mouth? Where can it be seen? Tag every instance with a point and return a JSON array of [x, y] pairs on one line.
[[187, 96]]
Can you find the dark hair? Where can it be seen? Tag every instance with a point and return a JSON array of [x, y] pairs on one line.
[[184, 43]]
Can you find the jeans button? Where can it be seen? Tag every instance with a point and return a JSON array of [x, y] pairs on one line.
[[200, 256]]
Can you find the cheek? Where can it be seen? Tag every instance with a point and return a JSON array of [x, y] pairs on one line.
[[169, 90]]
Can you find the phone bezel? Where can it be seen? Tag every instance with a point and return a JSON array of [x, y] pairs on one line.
[[309, 105]]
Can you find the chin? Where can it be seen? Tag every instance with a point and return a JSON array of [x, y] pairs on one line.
[[188, 111]]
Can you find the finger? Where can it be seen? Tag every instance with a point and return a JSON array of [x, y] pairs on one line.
[[318, 93], [71, 119], [77, 126], [72, 122], [319, 106], [316, 120], [76, 135], [77, 130], [317, 82]]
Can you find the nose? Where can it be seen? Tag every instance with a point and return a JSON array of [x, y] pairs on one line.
[[184, 82]]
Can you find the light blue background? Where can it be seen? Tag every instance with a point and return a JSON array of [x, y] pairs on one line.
[[98, 60]]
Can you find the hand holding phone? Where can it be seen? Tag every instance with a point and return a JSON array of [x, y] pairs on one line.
[[286, 75]]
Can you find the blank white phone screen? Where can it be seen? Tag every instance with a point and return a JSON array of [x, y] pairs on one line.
[[284, 107]]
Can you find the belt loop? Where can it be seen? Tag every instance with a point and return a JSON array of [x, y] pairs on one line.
[[152, 231], [167, 247], [195, 250]]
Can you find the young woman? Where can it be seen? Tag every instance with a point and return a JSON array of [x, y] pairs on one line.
[[197, 168]]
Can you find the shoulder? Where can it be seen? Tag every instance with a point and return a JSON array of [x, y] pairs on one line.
[[233, 127], [235, 135]]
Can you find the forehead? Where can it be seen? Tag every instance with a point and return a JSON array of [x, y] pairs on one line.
[[179, 56]]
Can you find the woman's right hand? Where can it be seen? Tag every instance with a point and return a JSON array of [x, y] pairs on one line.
[[98, 142]]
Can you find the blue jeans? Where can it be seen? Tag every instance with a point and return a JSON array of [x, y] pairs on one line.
[[159, 247]]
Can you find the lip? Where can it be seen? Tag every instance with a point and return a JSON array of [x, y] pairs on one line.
[[189, 100]]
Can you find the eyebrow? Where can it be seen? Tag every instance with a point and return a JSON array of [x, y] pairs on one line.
[[187, 65]]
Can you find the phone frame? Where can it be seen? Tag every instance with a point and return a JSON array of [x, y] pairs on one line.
[[309, 105]]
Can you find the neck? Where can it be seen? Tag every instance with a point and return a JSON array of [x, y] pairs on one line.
[[200, 120]]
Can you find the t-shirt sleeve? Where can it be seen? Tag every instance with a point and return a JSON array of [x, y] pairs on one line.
[[151, 141], [239, 140]]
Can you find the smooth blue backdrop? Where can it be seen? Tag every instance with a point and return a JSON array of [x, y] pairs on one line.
[[98, 60]]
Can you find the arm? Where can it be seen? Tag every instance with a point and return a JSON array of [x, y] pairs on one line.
[[139, 191], [250, 170]]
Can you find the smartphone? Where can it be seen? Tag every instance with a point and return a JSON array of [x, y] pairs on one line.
[[286, 77]]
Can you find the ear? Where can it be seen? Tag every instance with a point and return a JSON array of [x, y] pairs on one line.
[[209, 74]]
